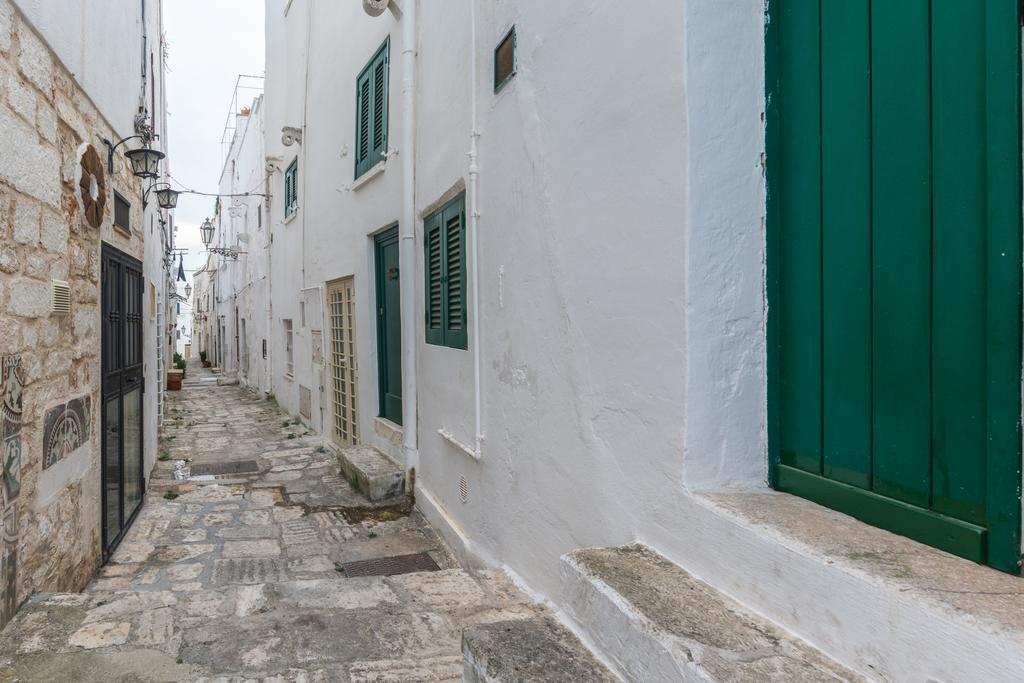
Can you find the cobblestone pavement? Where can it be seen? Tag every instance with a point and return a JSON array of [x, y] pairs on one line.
[[241, 578]]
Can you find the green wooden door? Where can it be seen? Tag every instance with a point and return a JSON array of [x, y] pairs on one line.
[[894, 162], [389, 326]]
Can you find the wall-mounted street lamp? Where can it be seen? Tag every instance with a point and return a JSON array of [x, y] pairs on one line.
[[188, 290], [145, 161], [206, 232], [167, 198]]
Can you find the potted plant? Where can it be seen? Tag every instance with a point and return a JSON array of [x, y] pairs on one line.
[[174, 376], [179, 363], [202, 357]]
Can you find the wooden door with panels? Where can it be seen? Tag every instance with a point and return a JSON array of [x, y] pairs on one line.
[[894, 221], [341, 307]]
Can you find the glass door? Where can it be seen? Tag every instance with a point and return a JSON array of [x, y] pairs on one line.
[[123, 481]]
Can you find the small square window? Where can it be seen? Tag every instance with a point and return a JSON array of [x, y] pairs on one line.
[[505, 59], [122, 214]]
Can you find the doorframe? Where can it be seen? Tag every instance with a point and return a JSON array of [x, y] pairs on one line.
[[109, 546], [1001, 539], [380, 240]]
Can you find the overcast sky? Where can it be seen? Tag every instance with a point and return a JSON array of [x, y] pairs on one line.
[[209, 43]]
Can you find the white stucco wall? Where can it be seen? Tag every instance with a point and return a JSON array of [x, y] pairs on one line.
[[620, 245], [95, 39], [621, 250], [243, 283], [331, 236]]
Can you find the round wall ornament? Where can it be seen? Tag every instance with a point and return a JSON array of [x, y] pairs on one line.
[[92, 184]]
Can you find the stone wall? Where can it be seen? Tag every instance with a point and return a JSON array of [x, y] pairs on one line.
[[51, 362]]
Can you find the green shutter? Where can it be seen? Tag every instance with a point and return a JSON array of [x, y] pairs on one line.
[[434, 267], [372, 112], [363, 96], [445, 266], [291, 194], [380, 107], [455, 272]]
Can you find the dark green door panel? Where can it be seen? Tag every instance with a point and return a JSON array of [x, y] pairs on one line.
[[958, 288], [894, 256], [846, 240], [389, 326], [799, 270], [901, 263]]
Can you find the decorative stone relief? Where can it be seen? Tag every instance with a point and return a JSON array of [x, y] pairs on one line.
[[65, 429], [13, 391], [92, 185], [11, 401]]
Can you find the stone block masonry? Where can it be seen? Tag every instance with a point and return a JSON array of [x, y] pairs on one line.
[[51, 524]]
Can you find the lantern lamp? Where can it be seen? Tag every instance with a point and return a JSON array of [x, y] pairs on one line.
[[145, 161], [206, 232], [188, 290], [167, 198]]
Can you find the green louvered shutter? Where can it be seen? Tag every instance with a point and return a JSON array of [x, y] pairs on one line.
[[380, 106], [434, 267], [372, 112], [291, 194], [455, 275], [444, 244]]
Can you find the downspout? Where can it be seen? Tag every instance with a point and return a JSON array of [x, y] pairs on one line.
[[268, 361], [303, 178], [474, 216], [475, 450], [407, 249]]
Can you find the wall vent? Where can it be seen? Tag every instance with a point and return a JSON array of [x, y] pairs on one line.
[[60, 297], [463, 489]]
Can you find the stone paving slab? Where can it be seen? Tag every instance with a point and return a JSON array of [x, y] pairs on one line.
[[237, 579]]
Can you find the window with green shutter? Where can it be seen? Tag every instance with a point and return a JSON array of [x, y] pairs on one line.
[[444, 241], [291, 188], [372, 112]]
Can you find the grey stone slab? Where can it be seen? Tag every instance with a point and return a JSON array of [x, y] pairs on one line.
[[373, 473], [535, 650], [659, 623]]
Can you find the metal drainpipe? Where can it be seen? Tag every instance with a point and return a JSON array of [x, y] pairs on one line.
[[474, 215], [407, 249]]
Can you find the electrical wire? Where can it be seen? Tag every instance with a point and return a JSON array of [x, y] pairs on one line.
[[188, 190]]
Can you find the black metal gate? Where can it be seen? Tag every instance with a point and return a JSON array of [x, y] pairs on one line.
[[123, 480]]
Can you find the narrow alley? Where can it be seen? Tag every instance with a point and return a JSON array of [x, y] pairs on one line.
[[261, 575], [511, 341]]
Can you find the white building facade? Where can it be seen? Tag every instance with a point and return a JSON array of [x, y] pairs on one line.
[[526, 250], [240, 275]]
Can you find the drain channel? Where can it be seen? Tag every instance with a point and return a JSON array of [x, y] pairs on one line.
[[390, 566], [228, 467]]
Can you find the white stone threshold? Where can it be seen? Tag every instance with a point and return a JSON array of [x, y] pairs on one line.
[[884, 605]]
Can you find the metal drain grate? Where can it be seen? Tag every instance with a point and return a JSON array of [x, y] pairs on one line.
[[229, 467], [390, 566]]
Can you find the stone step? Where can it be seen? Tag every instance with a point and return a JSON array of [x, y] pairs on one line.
[[656, 622], [372, 473], [537, 649]]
